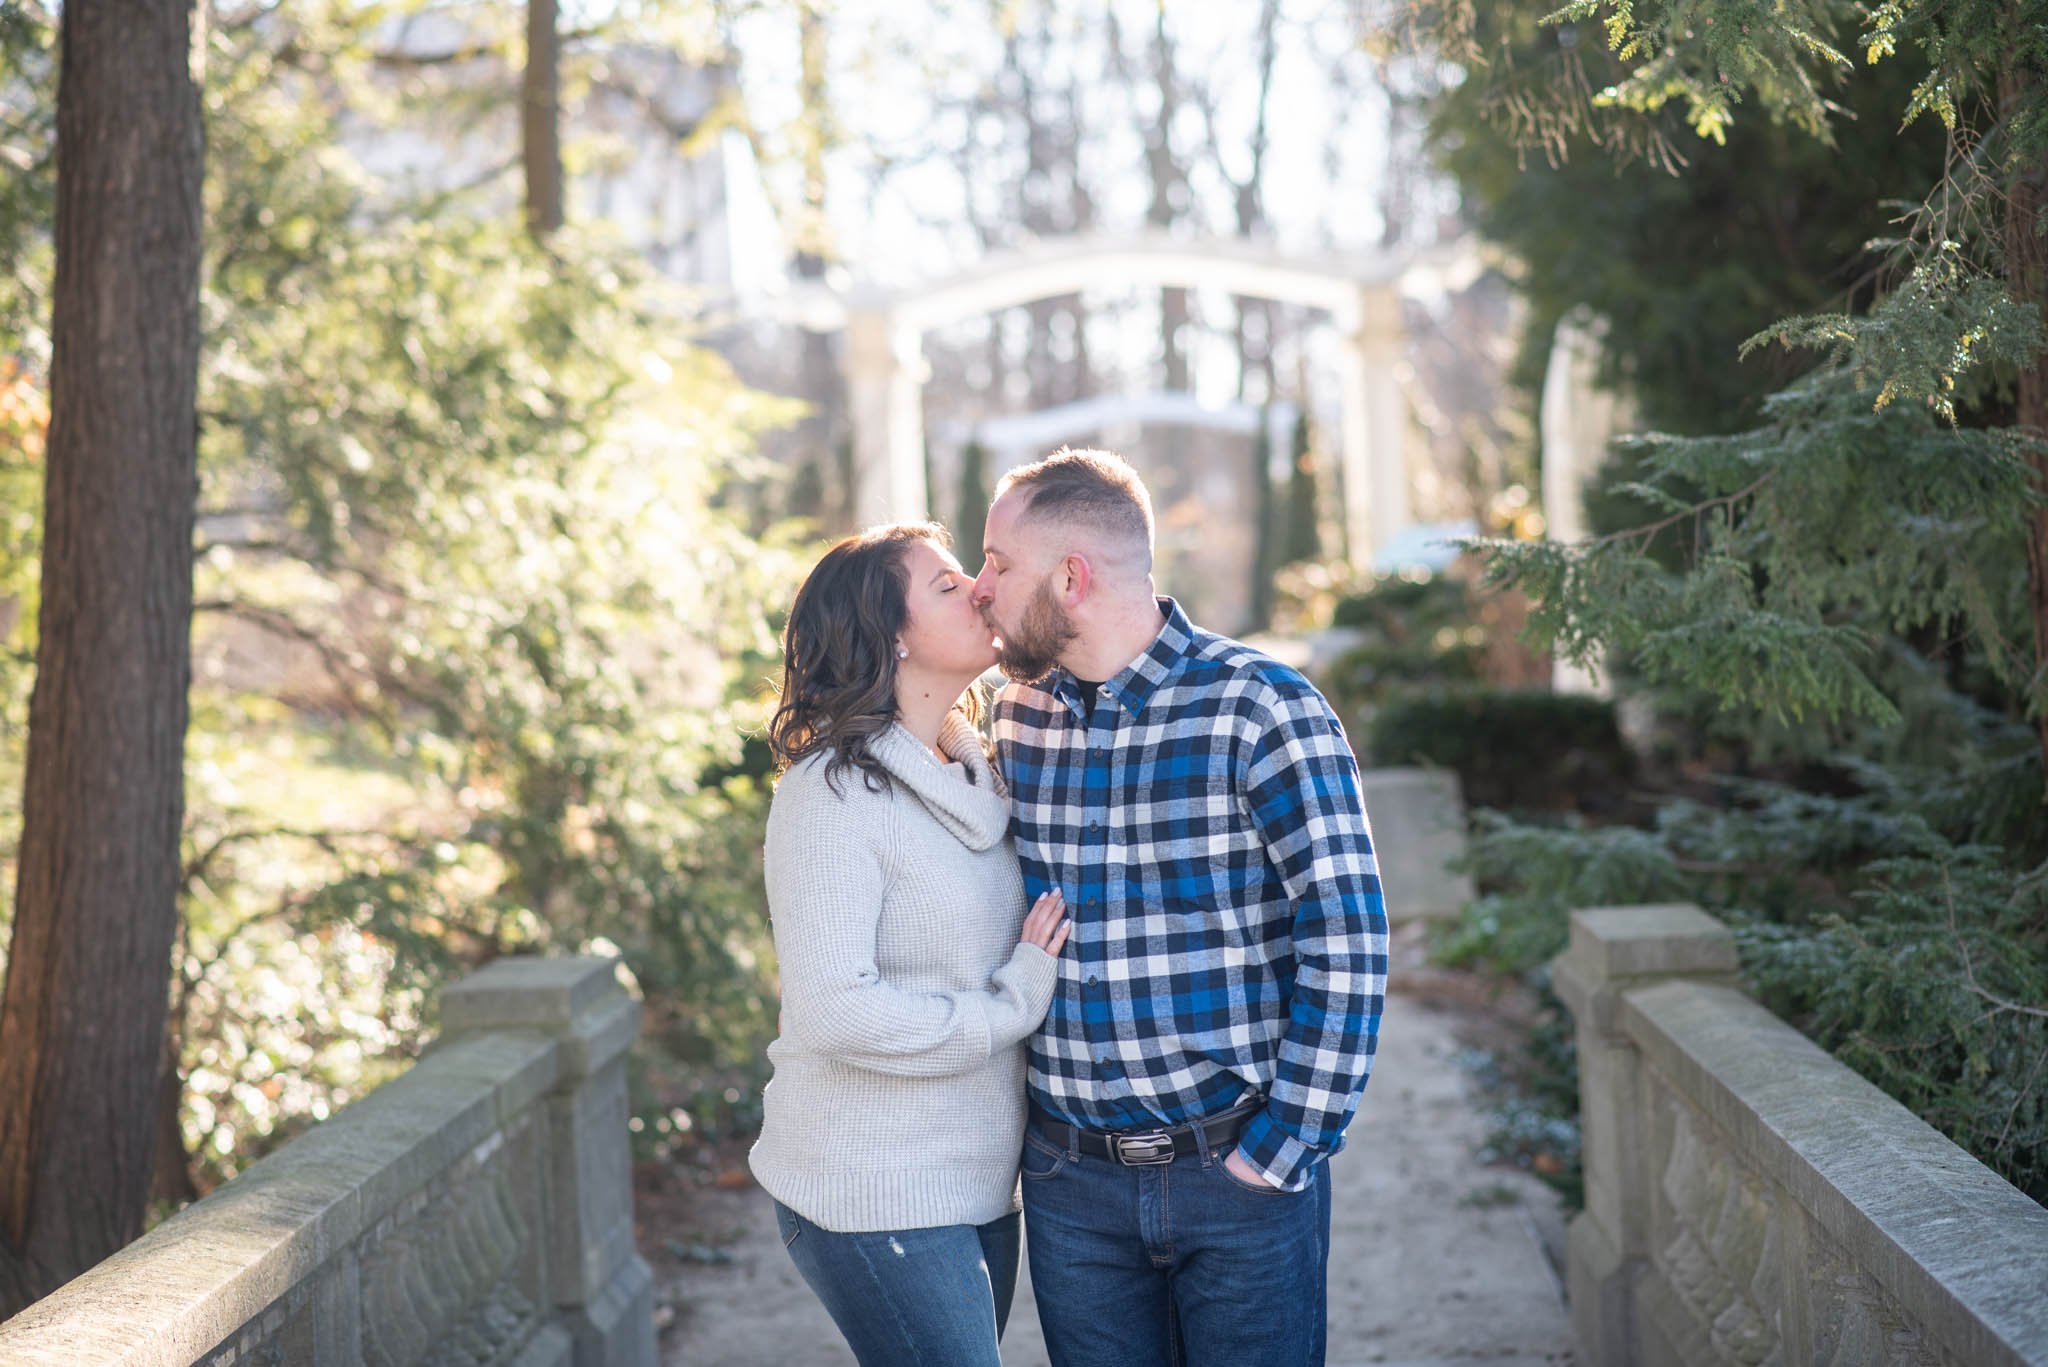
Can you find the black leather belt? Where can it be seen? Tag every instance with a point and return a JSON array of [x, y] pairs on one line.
[[1151, 1148]]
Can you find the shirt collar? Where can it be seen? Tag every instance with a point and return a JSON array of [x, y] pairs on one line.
[[1134, 684]]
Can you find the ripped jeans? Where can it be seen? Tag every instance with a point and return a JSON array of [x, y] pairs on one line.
[[911, 1296]]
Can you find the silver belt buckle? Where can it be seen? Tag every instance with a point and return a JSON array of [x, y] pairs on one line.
[[1142, 1150]]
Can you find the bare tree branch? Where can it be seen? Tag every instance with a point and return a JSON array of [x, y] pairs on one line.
[[328, 840]]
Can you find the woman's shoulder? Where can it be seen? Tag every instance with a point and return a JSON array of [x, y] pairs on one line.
[[815, 781], [818, 809]]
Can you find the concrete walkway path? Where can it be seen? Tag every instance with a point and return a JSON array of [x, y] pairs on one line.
[[1435, 1258]]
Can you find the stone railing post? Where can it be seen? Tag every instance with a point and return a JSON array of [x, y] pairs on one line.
[[1418, 831], [600, 1284], [1614, 950]]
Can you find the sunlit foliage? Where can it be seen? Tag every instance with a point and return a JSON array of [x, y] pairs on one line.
[[478, 643]]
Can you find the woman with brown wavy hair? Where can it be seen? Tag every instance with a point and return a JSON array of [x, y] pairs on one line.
[[911, 971]]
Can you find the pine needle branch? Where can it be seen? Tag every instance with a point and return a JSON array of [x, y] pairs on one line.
[[1999, 1004], [1639, 538]]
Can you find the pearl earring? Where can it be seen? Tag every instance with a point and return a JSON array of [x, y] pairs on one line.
[[902, 652]]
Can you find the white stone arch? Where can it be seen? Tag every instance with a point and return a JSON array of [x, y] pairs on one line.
[[1014, 439], [886, 371]]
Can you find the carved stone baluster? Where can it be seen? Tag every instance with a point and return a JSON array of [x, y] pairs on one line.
[[1614, 950], [602, 1290]]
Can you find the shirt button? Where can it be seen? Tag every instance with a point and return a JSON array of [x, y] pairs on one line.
[[1095, 825], [1092, 980]]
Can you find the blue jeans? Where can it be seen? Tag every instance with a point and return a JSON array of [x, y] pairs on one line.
[[911, 1296], [1181, 1265]]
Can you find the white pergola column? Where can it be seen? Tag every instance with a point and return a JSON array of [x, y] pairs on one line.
[[885, 375], [1374, 454], [1281, 416]]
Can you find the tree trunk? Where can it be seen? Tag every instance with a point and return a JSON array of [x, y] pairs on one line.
[[1303, 538], [970, 523], [823, 428], [1169, 184], [1050, 152], [540, 119], [171, 1168], [2026, 276], [1251, 219], [1081, 219], [1265, 534], [1251, 215], [88, 976], [822, 382]]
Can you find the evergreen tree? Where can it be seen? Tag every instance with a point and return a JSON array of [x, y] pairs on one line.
[[806, 496], [1265, 529], [1860, 560], [970, 521], [1919, 433], [1303, 537], [1680, 268]]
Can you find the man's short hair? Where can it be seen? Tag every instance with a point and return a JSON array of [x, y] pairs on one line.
[[1097, 489]]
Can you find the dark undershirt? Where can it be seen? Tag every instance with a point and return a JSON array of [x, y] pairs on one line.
[[1088, 691]]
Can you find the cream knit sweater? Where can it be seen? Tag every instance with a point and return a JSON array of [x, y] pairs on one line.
[[898, 1095]]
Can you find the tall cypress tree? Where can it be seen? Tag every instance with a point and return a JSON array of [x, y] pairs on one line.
[[1303, 537], [970, 518], [1265, 530]]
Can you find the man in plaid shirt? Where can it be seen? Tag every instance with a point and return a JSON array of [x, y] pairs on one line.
[[1220, 998]]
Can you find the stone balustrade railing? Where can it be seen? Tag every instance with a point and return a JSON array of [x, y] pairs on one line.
[[1751, 1200], [475, 1211]]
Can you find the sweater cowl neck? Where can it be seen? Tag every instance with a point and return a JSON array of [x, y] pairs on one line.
[[978, 813]]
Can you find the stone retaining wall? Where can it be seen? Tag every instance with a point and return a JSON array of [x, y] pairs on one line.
[[476, 1211], [1751, 1200]]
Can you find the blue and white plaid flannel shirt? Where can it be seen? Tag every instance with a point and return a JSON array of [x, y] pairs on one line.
[[1205, 825]]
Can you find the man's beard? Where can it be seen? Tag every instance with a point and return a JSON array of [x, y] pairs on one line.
[[1044, 631]]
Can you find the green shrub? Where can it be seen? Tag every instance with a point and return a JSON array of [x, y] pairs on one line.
[[1517, 750], [1374, 671], [1411, 634], [1918, 959], [1936, 989], [1401, 607]]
